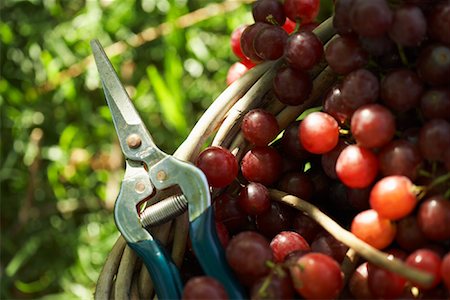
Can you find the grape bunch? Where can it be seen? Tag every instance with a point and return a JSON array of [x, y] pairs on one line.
[[373, 154]]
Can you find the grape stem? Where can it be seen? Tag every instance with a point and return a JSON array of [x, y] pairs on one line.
[[371, 254]]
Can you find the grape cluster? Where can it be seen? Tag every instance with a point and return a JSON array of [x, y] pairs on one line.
[[375, 155]]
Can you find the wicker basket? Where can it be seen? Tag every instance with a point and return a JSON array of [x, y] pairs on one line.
[[125, 277]]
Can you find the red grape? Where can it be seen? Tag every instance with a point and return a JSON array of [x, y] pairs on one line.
[[360, 87], [317, 276], [219, 166], [319, 132], [433, 65], [235, 72], [384, 284], [303, 50], [409, 236], [292, 87], [433, 218], [303, 10], [268, 11], [327, 244], [227, 211], [248, 38], [261, 164], [427, 261], [358, 283], [306, 226], [445, 270], [357, 166], [409, 26], [372, 125], [373, 229], [370, 18], [438, 20], [435, 104], [334, 105], [344, 54], [235, 41], [277, 219], [341, 17], [297, 184], [254, 199], [286, 242], [203, 287], [269, 42], [393, 197], [259, 127], [290, 144], [276, 285], [400, 157], [328, 160], [434, 139]]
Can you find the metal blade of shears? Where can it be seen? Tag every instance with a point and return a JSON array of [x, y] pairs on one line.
[[129, 126]]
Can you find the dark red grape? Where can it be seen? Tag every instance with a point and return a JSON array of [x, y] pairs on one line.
[[227, 211], [435, 103], [219, 166], [434, 139], [433, 65], [292, 87], [286, 242], [384, 284], [328, 160], [248, 38], [433, 218], [304, 10], [409, 236], [401, 90], [249, 242], [203, 287], [277, 219], [428, 261], [327, 244], [409, 26], [334, 105], [259, 127], [438, 21], [377, 46], [317, 276], [318, 132], [372, 125], [359, 198], [222, 233], [357, 166], [268, 11], [341, 17], [290, 144], [261, 164], [400, 157], [370, 18], [445, 270], [303, 50], [276, 285], [297, 184], [360, 87], [254, 199], [306, 226], [344, 54], [269, 42], [358, 284]]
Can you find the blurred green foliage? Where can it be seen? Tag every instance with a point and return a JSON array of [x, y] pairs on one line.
[[60, 161]]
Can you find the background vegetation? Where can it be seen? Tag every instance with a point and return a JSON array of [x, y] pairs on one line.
[[61, 165]]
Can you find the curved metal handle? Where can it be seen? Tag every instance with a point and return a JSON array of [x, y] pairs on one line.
[[210, 253], [164, 273]]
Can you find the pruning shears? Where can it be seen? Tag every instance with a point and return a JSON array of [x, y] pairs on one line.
[[149, 170]]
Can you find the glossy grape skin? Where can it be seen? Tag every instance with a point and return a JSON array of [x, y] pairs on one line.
[[434, 139], [327, 244], [304, 10], [409, 26], [427, 261], [261, 164], [334, 105], [433, 65], [360, 87], [373, 229], [372, 125], [203, 287], [247, 39], [370, 18], [306, 226], [292, 87], [235, 42], [297, 184], [393, 197], [249, 242], [319, 132], [219, 166], [435, 104], [401, 90], [303, 50], [344, 54], [254, 199], [384, 284], [276, 285], [269, 42], [445, 270], [400, 157], [259, 127], [433, 218], [268, 11], [286, 242], [358, 284], [356, 166], [278, 218], [312, 269]]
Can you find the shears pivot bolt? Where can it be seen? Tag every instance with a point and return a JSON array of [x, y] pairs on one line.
[[134, 141]]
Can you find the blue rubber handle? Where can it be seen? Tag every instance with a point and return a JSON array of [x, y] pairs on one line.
[[164, 273], [210, 253]]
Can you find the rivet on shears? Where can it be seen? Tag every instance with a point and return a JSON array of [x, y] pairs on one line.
[[139, 187], [134, 141], [161, 175]]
